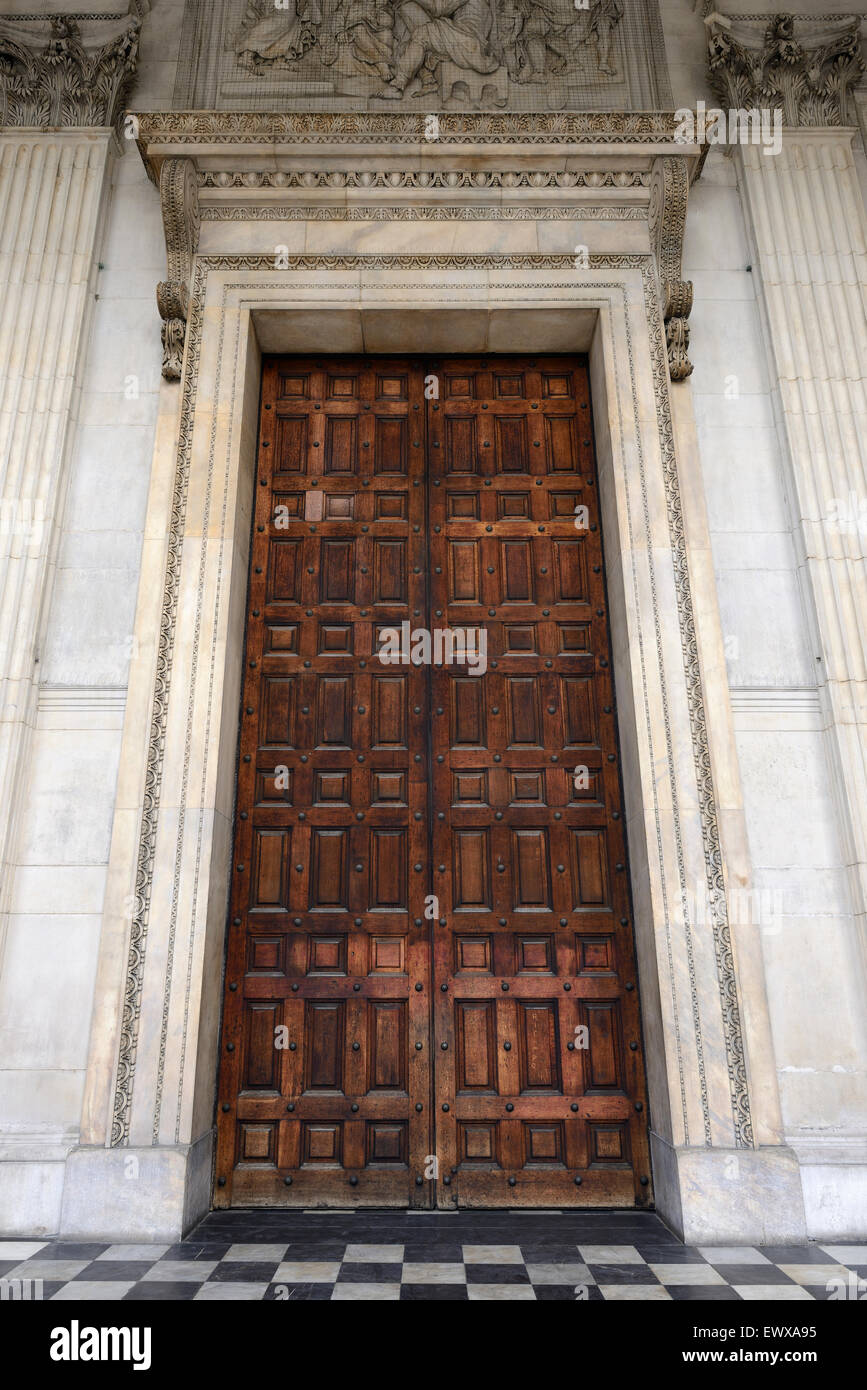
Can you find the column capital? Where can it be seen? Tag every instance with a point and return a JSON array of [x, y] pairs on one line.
[[805, 66], [67, 70]]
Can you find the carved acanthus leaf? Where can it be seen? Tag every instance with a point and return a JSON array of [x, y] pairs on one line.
[[66, 70], [804, 66], [179, 196], [669, 189]]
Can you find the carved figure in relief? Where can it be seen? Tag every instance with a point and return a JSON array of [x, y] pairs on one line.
[[269, 37], [553, 32], [360, 39], [435, 31]]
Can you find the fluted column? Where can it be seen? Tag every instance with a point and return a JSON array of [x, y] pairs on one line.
[[52, 196], [810, 231]]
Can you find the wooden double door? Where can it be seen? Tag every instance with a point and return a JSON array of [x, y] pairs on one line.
[[430, 986]]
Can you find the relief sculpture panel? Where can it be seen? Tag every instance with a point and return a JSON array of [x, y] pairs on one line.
[[476, 55]]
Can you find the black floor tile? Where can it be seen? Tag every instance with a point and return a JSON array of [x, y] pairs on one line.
[[540, 1253], [753, 1274], [496, 1274], [430, 1293], [154, 1291], [698, 1293], [794, 1254], [119, 1270], [432, 1252], [70, 1250], [669, 1254]]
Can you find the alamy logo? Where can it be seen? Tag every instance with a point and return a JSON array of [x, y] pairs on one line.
[[77, 1343], [756, 126], [444, 646]]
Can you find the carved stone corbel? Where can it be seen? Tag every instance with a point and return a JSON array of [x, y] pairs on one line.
[[179, 196], [669, 189]]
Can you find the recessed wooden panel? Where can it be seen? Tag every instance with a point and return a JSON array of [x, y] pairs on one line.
[[324, 1044], [329, 870], [341, 444], [476, 1044], [589, 870], [531, 882], [608, 1144], [339, 506], [604, 1056], [464, 572], [580, 720], [478, 1142], [510, 441], [527, 788], [326, 955], [335, 639], [544, 1143], [595, 955], [390, 445], [471, 868], [342, 386], [261, 1057], [284, 572], [387, 1142], [258, 1143], [387, 955], [386, 1045], [570, 572], [473, 955], [337, 572], [388, 876], [539, 1046], [460, 444], [269, 870], [519, 639], [321, 1145], [390, 506], [388, 789], [291, 451], [390, 715], [562, 450], [467, 709], [282, 638], [525, 716], [279, 701], [463, 506], [334, 712], [516, 564], [265, 954], [294, 385], [534, 955], [332, 788], [392, 387], [513, 506], [389, 571], [470, 788]]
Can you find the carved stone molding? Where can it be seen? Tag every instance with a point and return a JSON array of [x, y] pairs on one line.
[[431, 180], [66, 70], [669, 189], [804, 66], [179, 196]]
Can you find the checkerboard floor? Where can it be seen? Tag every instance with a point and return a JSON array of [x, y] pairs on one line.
[[365, 1255]]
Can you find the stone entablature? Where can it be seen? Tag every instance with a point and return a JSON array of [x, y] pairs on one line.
[[250, 164]]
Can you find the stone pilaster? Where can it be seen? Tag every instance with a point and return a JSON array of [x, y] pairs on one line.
[[53, 193], [807, 220]]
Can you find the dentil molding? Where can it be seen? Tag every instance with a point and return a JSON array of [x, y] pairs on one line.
[[805, 66], [67, 70]]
